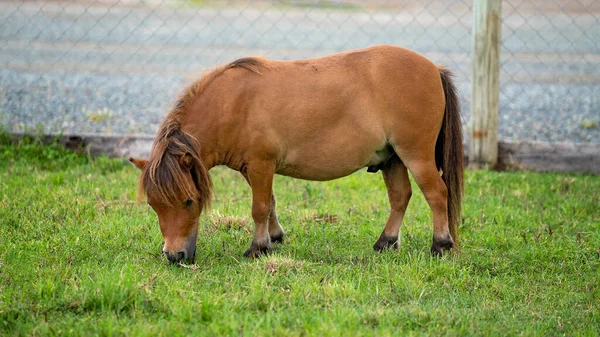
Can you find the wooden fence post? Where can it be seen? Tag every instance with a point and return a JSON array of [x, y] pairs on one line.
[[483, 124]]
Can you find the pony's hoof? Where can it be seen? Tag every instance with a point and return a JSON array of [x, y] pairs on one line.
[[386, 242], [255, 251], [277, 238], [440, 245]]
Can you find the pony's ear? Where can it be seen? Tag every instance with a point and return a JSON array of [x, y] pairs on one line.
[[139, 163], [186, 161]]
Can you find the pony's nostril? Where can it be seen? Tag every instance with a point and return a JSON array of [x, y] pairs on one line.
[[180, 256]]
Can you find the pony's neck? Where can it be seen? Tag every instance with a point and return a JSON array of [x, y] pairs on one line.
[[185, 117]]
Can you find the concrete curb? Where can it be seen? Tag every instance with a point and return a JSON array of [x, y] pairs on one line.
[[528, 155], [550, 157], [115, 146]]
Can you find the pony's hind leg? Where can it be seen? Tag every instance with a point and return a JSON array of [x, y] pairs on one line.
[[399, 191], [433, 187]]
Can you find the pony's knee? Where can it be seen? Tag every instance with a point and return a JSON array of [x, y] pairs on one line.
[[261, 211]]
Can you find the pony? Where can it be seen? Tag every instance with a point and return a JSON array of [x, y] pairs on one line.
[[386, 108]]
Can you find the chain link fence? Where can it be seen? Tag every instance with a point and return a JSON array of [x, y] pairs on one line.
[[114, 66]]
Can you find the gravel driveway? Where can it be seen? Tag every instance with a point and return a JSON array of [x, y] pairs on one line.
[[114, 68]]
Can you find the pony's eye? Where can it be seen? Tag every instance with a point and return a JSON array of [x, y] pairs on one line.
[[188, 203]]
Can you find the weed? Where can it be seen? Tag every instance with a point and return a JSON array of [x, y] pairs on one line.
[[589, 124]]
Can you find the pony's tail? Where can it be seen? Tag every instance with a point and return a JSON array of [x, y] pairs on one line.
[[449, 153]]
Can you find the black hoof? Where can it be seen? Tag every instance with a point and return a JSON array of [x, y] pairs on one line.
[[278, 238], [386, 242], [256, 251], [440, 245]]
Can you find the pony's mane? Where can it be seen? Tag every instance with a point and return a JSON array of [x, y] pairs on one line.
[[163, 176], [165, 179]]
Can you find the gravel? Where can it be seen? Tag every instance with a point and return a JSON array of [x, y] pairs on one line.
[[73, 69], [135, 104]]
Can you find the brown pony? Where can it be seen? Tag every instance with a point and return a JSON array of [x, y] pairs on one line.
[[385, 108]]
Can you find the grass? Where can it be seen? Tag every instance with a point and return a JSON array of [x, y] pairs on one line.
[[80, 256]]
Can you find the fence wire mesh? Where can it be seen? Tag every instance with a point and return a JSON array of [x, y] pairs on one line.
[[114, 66]]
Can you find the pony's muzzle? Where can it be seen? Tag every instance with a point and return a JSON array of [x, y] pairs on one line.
[[180, 256], [181, 253], [174, 257]]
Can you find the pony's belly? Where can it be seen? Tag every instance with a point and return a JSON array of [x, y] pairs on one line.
[[316, 173], [332, 145], [332, 166]]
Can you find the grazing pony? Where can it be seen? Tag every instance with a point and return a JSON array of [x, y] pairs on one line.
[[385, 108]]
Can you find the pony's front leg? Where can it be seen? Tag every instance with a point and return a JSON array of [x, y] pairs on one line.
[[260, 177], [276, 232]]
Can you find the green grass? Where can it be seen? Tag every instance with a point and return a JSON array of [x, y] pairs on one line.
[[80, 256]]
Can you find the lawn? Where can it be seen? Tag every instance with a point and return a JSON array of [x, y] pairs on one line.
[[81, 256]]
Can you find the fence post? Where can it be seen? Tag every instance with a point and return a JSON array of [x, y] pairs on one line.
[[486, 82]]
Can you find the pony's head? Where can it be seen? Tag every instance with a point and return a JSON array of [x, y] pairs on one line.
[[178, 187]]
